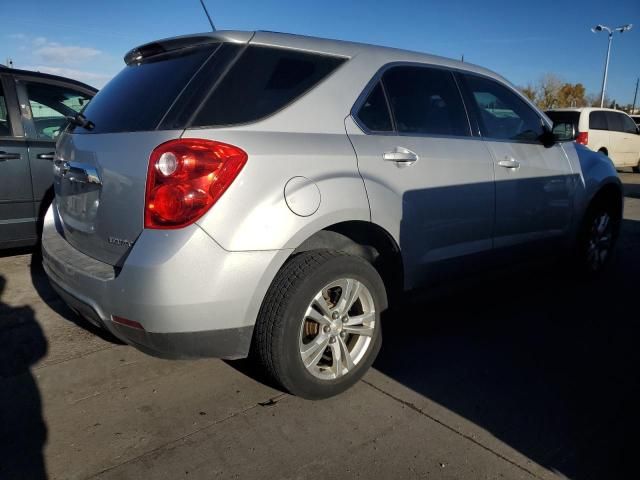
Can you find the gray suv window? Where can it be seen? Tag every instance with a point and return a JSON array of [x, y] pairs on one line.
[[425, 101], [501, 113], [374, 113], [263, 81], [598, 121], [5, 126]]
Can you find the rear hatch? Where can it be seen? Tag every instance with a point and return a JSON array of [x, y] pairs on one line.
[[101, 170]]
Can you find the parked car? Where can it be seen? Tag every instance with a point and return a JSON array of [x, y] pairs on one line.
[[33, 107], [636, 118], [278, 189], [611, 132]]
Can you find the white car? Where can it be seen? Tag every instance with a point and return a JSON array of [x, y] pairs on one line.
[[611, 132]]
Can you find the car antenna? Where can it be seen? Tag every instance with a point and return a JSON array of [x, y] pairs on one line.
[[204, 7]]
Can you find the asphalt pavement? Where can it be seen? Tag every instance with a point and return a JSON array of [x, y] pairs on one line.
[[524, 374]]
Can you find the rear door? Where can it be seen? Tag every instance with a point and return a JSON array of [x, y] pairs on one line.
[[618, 139], [429, 181], [17, 219], [48, 102], [631, 140], [534, 185], [599, 135]]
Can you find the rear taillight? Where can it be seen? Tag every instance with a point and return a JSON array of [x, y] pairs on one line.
[[582, 138], [186, 177]]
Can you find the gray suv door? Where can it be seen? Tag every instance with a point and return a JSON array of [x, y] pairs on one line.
[[17, 217], [429, 181], [534, 183]]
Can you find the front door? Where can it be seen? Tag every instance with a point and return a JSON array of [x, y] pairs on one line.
[[429, 182], [534, 184]]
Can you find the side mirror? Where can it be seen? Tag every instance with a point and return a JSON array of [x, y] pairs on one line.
[[548, 138]]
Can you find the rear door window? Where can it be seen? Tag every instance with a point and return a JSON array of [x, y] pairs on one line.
[[425, 101], [374, 112], [263, 81], [50, 105], [138, 97], [598, 120], [502, 114]]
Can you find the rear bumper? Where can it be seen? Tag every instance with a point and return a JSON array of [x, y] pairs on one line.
[[193, 298]]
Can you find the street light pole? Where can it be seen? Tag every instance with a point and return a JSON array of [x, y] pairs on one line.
[[600, 28]]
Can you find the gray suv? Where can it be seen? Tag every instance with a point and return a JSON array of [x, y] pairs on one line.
[[256, 193], [33, 107]]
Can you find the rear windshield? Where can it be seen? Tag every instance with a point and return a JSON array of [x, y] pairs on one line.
[[138, 97], [214, 85], [263, 81], [572, 118]]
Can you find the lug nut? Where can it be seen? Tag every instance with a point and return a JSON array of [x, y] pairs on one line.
[[343, 334], [326, 329], [332, 340], [335, 315]]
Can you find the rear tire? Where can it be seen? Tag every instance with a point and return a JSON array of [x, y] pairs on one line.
[[318, 330]]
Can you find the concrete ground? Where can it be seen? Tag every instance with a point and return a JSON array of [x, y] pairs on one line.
[[528, 374]]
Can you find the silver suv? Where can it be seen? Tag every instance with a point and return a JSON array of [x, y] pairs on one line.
[[258, 193]]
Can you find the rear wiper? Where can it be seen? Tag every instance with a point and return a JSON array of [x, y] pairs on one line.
[[81, 121]]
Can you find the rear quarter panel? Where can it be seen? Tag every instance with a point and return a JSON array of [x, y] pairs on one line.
[[253, 213]]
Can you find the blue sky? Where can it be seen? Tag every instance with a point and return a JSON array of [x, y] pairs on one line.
[[520, 40]]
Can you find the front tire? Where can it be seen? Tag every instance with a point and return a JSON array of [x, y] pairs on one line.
[[318, 330], [597, 238]]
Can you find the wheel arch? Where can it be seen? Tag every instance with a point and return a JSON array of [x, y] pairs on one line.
[[364, 239]]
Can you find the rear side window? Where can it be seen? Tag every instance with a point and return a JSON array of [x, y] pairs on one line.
[[425, 101], [374, 113], [615, 121], [598, 121], [263, 81], [502, 114], [137, 98], [5, 127]]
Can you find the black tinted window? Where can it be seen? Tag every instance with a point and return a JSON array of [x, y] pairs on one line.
[[598, 121], [615, 121], [5, 126], [503, 114], [262, 81], [374, 113], [425, 101], [629, 125], [51, 104], [138, 97]]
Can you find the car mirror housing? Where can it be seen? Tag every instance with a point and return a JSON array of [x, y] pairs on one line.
[[563, 132]]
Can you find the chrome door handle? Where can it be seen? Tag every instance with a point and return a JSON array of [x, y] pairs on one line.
[[45, 156], [509, 163], [9, 156], [401, 156]]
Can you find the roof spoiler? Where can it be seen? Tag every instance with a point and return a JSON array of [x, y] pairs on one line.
[[163, 46]]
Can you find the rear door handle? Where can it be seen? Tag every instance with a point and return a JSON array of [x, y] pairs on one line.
[[509, 163], [46, 156], [401, 156], [9, 156]]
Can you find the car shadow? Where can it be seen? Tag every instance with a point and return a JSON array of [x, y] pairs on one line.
[[542, 360], [23, 432]]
